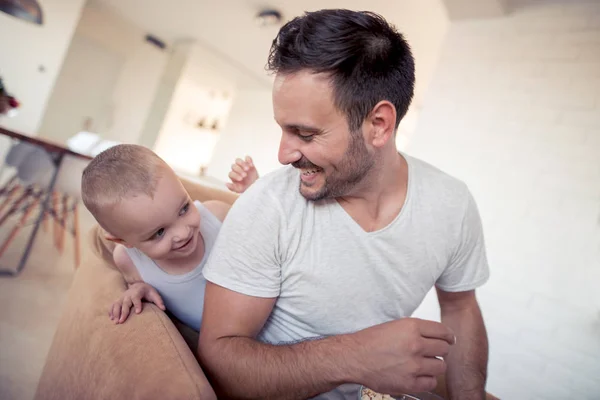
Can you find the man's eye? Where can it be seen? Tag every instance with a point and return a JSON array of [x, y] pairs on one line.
[[306, 138], [184, 209]]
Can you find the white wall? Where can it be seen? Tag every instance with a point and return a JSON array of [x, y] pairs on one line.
[[514, 110], [24, 48], [167, 85], [135, 90], [83, 91], [424, 24], [251, 130], [184, 146], [110, 76]]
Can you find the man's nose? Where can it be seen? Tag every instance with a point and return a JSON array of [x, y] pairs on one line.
[[288, 151]]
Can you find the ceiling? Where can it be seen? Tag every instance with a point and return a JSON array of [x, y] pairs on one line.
[[228, 29]]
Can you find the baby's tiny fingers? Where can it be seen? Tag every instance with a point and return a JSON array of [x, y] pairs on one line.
[[116, 312], [154, 297], [234, 176], [239, 169], [137, 304], [125, 309], [243, 164]]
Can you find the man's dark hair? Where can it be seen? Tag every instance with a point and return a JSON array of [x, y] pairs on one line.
[[367, 59]]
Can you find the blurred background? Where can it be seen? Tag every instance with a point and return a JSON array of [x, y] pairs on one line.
[[507, 99]]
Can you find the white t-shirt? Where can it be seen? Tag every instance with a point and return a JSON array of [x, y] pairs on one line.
[[330, 276]]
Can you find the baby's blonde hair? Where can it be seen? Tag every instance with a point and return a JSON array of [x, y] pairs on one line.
[[117, 173]]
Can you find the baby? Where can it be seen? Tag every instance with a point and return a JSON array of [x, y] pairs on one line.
[[163, 237]]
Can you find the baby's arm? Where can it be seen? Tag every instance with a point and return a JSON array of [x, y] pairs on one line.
[[125, 265], [137, 290], [218, 208]]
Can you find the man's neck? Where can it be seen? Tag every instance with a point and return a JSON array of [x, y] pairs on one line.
[[378, 199]]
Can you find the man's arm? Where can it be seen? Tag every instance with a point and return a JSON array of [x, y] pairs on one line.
[[394, 357], [241, 367], [467, 361]]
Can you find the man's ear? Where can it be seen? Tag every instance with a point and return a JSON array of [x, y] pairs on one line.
[[116, 240], [383, 123]]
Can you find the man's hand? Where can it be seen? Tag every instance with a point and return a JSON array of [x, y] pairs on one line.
[[399, 357], [395, 357], [119, 311], [243, 174]]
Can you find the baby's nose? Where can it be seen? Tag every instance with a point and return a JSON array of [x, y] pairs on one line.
[[180, 234]]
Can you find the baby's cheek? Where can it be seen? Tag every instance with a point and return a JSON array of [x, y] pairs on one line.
[[195, 218], [158, 250]]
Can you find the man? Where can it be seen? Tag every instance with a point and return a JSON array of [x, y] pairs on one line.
[[311, 295]]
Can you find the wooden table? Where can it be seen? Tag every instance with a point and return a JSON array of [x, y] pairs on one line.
[[57, 153]]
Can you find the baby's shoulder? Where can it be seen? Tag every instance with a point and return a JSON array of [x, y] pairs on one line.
[[125, 264]]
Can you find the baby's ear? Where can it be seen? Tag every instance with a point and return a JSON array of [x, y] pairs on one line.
[[115, 239]]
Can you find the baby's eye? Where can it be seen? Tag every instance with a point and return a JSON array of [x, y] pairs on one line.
[[184, 209], [159, 233]]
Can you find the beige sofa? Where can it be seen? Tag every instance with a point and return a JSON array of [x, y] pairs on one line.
[[150, 356]]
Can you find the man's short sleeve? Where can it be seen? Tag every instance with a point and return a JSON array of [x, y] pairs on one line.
[[468, 267], [245, 257]]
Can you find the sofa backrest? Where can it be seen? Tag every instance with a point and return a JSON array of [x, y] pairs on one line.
[[202, 192]]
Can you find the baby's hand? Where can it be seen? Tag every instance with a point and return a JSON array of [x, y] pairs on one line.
[[119, 311], [243, 174]]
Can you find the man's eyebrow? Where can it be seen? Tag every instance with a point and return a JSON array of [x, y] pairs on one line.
[[302, 128]]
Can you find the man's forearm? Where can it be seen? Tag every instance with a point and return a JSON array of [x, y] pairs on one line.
[[245, 368], [467, 361]]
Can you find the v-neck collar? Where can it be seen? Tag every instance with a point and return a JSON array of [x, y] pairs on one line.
[[359, 229]]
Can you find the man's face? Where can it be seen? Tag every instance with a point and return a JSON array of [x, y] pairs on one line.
[[316, 138], [164, 227]]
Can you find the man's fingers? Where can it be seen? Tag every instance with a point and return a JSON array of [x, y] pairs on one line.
[[436, 330], [424, 384], [431, 366], [435, 348], [250, 161]]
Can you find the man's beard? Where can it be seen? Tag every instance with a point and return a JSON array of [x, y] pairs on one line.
[[351, 170]]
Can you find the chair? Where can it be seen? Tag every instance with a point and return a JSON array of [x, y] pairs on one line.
[[33, 168]]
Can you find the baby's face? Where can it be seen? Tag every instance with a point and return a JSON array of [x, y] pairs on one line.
[[164, 227]]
